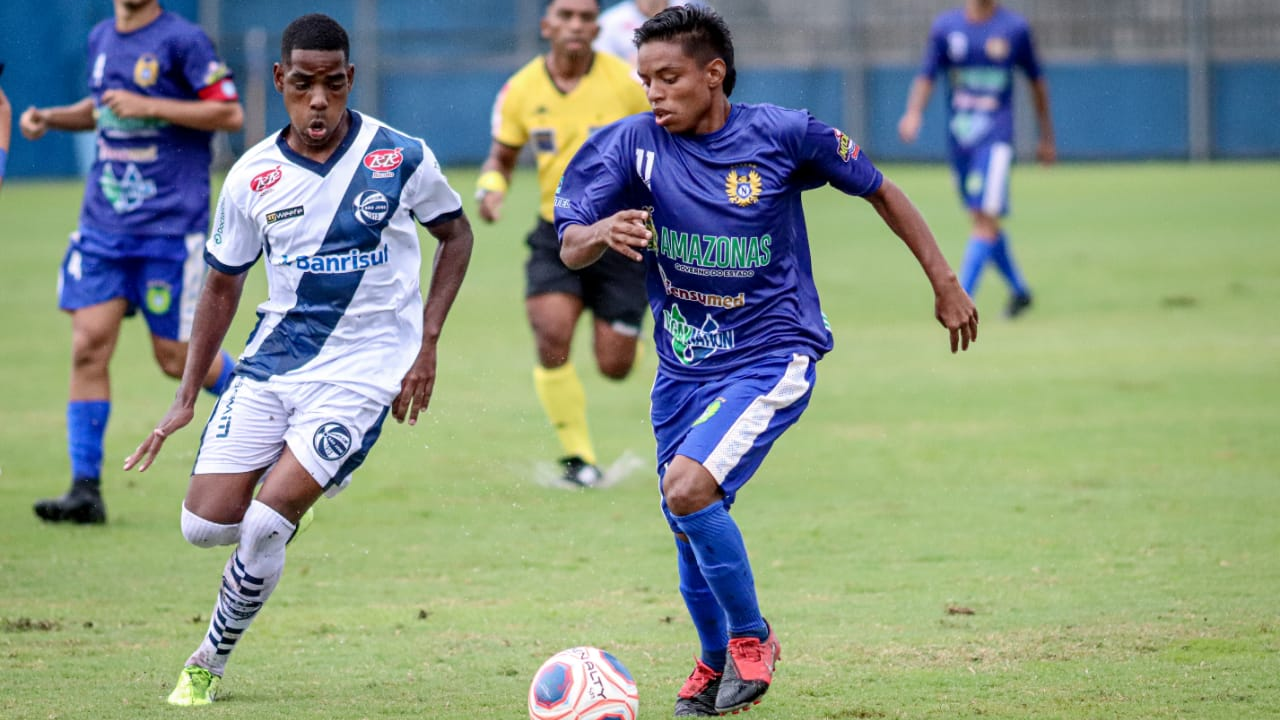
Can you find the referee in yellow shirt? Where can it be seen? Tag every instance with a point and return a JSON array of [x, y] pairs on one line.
[[556, 101]]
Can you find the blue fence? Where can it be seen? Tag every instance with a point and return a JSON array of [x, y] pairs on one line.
[[1102, 110]]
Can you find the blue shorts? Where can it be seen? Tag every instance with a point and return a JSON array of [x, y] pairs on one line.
[[982, 176], [165, 289], [729, 424]]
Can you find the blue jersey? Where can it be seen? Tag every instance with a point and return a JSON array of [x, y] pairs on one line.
[[979, 59], [729, 277], [149, 185]]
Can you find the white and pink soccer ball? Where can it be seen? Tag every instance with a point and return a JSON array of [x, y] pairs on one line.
[[583, 683]]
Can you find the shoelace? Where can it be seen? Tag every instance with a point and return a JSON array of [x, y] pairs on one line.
[[749, 649], [699, 679]]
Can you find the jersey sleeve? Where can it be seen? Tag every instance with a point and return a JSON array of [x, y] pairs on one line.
[[431, 199], [235, 243], [935, 53], [203, 70], [1024, 53], [507, 127], [829, 156], [597, 182]]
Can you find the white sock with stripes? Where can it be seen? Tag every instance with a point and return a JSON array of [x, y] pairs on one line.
[[250, 575]]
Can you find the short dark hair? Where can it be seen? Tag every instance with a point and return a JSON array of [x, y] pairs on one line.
[[701, 32], [314, 32]]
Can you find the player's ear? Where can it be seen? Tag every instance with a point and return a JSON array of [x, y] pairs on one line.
[[351, 76], [277, 76], [714, 73]]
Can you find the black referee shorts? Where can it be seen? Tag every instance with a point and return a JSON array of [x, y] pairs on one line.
[[612, 287]]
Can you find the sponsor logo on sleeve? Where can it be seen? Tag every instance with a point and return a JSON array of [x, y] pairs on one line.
[[264, 181], [846, 148]]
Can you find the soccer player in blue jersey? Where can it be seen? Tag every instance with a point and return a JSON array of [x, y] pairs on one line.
[[331, 203], [978, 46], [158, 91], [707, 194], [6, 124]]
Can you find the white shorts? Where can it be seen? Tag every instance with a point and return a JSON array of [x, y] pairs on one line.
[[330, 429]]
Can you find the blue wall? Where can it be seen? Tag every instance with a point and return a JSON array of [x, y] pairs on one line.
[[1101, 110]]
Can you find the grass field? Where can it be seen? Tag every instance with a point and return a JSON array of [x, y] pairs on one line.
[[1099, 483]]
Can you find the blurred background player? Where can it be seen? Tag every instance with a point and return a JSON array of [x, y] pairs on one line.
[[711, 194], [343, 338], [555, 102], [6, 126], [158, 91], [978, 46], [618, 25]]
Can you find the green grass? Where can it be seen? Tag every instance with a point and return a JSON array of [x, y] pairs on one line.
[[1098, 482]]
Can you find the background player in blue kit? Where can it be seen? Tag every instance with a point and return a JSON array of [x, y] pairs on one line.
[[708, 195], [332, 204], [978, 46], [158, 91]]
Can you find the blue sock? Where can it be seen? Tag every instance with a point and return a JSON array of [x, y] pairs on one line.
[[86, 424], [975, 257], [1004, 260], [707, 616], [224, 377], [722, 557]]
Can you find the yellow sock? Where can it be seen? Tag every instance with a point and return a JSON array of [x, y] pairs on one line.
[[565, 402]]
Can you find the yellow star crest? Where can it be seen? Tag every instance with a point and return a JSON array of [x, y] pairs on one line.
[[743, 189]]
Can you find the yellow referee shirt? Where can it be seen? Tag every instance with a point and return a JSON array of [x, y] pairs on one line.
[[531, 108]]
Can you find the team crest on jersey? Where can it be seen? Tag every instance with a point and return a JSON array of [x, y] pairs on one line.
[[743, 188], [846, 148], [264, 181], [383, 163], [332, 441], [370, 207], [997, 48], [146, 71]]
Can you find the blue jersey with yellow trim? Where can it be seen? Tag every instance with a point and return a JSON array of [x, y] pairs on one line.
[[730, 277], [979, 59], [150, 178]]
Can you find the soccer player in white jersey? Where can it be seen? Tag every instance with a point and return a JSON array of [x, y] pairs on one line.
[[344, 335], [619, 23]]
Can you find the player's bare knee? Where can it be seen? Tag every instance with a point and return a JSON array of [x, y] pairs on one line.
[[616, 368], [687, 494], [170, 361]]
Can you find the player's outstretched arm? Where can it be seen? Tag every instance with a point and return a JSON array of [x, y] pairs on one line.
[[952, 306], [218, 302], [208, 115], [913, 117], [625, 232], [1046, 149], [35, 122], [447, 271]]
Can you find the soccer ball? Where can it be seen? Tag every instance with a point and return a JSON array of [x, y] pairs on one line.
[[583, 683]]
